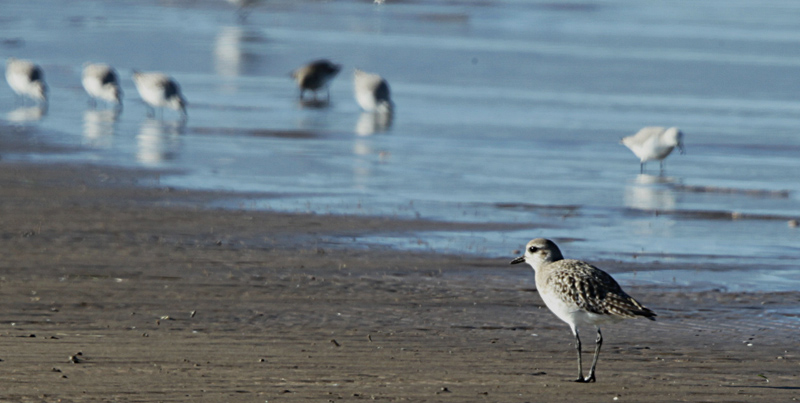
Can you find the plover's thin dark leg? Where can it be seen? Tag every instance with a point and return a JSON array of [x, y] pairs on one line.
[[641, 167], [598, 343], [580, 362]]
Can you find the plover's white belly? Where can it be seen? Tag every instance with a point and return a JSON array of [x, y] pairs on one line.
[[562, 309]]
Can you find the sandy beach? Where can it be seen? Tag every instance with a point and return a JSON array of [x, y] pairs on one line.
[[370, 259], [117, 289]]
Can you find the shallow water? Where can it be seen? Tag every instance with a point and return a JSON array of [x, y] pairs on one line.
[[507, 111]]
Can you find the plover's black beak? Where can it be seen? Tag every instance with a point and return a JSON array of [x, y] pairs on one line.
[[518, 260]]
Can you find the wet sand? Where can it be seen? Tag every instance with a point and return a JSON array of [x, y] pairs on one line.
[[160, 299]]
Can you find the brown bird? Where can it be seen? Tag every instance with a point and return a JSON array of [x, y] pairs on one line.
[[315, 76]]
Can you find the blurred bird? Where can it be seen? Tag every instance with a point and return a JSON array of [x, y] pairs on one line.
[[26, 79], [159, 90], [372, 92], [101, 82], [315, 76], [654, 143]]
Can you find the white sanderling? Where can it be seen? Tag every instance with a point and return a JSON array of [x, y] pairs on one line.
[[26, 79], [654, 143], [101, 82], [371, 92], [315, 76], [159, 90], [579, 294]]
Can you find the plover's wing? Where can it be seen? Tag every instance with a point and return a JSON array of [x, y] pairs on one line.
[[593, 290]]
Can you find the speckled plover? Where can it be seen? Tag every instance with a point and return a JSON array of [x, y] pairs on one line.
[[579, 294]]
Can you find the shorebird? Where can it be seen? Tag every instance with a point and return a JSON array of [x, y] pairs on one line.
[[372, 92], [159, 90], [26, 79], [654, 143], [579, 294], [315, 75], [101, 82]]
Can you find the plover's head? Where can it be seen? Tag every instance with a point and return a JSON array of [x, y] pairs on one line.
[[673, 137], [538, 252]]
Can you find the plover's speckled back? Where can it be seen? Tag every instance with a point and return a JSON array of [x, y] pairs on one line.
[[372, 92], [579, 294], [101, 82], [26, 79], [315, 76], [159, 90], [654, 143]]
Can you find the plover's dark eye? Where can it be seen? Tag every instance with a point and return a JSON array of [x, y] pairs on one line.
[[532, 249]]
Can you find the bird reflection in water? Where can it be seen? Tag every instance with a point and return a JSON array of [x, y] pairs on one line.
[[231, 55], [158, 141], [98, 127], [370, 123], [27, 114], [651, 193]]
